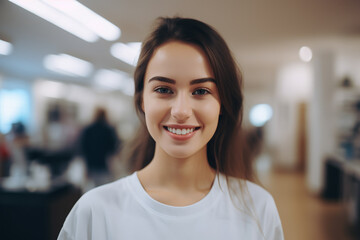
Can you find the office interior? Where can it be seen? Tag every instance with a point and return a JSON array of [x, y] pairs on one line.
[[301, 82]]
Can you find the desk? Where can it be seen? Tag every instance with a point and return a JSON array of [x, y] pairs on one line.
[[37, 215]]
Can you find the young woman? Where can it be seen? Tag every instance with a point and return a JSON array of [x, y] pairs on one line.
[[190, 180]]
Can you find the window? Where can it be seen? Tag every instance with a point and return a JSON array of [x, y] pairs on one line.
[[14, 107]]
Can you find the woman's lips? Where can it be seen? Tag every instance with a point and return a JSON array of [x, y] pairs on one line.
[[181, 132]]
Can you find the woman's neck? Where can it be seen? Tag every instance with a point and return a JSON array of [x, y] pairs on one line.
[[167, 176]]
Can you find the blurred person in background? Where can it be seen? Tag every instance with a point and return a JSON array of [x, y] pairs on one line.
[[4, 157], [60, 130], [17, 141], [60, 135], [98, 142], [188, 183]]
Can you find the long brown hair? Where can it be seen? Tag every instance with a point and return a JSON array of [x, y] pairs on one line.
[[224, 150]]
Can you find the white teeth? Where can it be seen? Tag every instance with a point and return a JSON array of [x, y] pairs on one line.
[[179, 131]]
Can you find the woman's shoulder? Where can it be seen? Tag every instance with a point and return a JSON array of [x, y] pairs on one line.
[[256, 201], [94, 206], [106, 194], [250, 191], [258, 191]]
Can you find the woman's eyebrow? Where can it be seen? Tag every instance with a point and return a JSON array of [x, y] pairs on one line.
[[202, 80], [172, 81], [162, 79]]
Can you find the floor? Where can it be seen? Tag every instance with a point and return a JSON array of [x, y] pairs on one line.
[[305, 216]]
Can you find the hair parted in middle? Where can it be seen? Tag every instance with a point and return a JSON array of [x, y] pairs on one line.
[[224, 149]]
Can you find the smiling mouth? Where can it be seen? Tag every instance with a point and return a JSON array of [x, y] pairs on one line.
[[181, 131]]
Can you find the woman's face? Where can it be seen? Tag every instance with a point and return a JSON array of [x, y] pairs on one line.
[[180, 100]]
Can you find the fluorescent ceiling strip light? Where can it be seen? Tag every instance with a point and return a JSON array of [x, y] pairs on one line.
[[68, 65], [87, 17], [57, 18], [128, 53], [5, 47], [52, 89], [106, 79]]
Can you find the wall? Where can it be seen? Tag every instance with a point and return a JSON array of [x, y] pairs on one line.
[[293, 88]]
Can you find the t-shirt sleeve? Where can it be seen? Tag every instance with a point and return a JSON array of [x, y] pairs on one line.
[[266, 213], [78, 223], [271, 221]]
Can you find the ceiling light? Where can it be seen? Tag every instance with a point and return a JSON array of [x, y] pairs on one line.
[[128, 52], [106, 79], [87, 17], [73, 17], [77, 93], [68, 65], [5, 47], [260, 114], [52, 89], [305, 54], [57, 18]]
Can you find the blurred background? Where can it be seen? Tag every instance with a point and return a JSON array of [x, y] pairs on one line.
[[66, 109]]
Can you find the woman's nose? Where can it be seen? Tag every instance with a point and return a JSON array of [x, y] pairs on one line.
[[181, 109]]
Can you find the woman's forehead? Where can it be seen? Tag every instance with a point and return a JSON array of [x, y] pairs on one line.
[[174, 59]]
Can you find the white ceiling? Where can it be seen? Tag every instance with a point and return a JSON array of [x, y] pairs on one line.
[[262, 34]]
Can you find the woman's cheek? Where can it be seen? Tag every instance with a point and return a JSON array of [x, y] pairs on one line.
[[155, 111], [210, 110]]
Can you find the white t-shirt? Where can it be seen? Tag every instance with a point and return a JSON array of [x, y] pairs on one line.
[[124, 210]]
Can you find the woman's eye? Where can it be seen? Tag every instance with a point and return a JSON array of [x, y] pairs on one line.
[[163, 90], [201, 91]]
